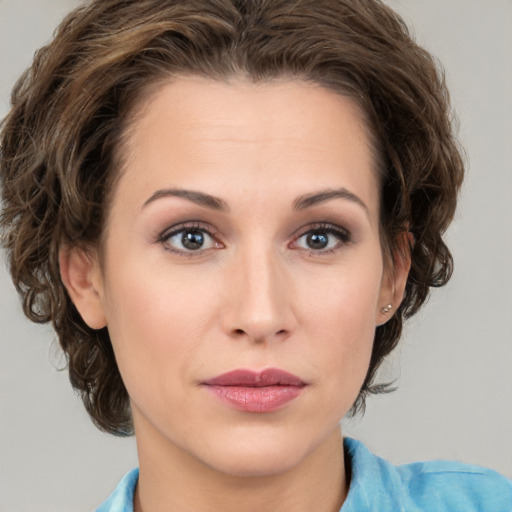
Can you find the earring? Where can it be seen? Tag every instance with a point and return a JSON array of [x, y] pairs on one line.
[[386, 309]]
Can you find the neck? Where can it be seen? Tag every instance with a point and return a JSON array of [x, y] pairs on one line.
[[178, 482]]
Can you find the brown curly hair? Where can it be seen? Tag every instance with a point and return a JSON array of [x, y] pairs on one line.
[[58, 161]]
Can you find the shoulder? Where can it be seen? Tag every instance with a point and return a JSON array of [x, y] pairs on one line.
[[456, 486], [439, 486], [121, 500]]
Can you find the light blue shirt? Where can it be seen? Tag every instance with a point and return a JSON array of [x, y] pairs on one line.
[[378, 486]]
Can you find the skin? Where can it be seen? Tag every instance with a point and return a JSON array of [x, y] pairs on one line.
[[255, 295]]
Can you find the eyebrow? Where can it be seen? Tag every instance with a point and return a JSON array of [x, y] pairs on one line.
[[199, 198], [315, 198], [215, 203]]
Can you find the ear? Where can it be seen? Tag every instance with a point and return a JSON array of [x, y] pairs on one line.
[[81, 274], [394, 279]]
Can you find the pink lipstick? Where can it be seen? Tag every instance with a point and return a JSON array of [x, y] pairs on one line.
[[250, 391]]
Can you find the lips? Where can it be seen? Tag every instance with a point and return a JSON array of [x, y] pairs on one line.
[[251, 391], [248, 378]]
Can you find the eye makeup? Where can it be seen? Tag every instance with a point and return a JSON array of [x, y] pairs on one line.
[[195, 238], [322, 239]]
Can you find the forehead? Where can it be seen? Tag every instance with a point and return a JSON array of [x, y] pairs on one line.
[[250, 109], [204, 134]]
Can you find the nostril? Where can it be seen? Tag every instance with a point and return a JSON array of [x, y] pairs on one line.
[[242, 332]]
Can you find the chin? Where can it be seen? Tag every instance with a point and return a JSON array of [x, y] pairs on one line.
[[259, 464], [260, 456]]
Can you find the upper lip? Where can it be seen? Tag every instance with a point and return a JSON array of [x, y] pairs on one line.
[[256, 379]]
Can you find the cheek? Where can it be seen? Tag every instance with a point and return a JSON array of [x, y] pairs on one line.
[[156, 322], [339, 321], [344, 301]]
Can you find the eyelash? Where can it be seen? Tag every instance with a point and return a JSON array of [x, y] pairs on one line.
[[190, 226], [343, 236]]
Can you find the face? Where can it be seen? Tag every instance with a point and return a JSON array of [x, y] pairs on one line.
[[242, 276]]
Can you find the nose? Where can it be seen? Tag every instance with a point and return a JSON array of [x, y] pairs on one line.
[[259, 307]]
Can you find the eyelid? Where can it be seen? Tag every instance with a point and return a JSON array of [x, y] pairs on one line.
[[171, 231], [342, 234]]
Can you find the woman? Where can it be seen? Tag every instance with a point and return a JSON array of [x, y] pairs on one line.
[[227, 209]]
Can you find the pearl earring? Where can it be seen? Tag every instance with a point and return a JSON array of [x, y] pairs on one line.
[[386, 309]]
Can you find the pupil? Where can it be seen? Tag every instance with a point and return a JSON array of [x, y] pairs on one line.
[[317, 240], [192, 239]]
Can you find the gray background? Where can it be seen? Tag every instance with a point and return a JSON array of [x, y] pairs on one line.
[[453, 365]]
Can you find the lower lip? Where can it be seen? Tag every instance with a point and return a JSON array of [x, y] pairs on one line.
[[256, 399]]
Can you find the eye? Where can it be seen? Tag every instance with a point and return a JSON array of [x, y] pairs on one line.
[[322, 239], [189, 239]]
